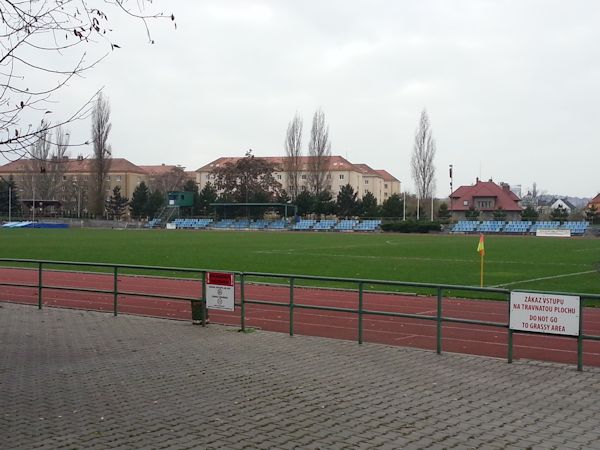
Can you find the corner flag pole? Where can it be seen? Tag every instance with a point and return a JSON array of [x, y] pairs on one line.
[[481, 251]]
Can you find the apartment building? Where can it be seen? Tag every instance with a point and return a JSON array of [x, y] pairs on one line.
[[72, 184], [341, 172]]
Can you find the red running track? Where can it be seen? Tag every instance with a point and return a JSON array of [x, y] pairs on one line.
[[460, 338]]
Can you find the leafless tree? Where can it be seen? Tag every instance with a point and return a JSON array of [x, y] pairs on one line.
[[43, 179], [43, 46], [101, 127], [319, 152], [293, 155], [423, 170], [169, 181]]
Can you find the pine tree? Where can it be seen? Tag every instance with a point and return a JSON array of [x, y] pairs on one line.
[[139, 201], [116, 205]]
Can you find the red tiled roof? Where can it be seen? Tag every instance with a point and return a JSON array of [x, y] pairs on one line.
[[366, 170], [160, 169], [335, 162], [594, 201], [387, 176], [504, 197], [75, 166]]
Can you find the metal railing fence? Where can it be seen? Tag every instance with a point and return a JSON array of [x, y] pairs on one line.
[[199, 311]]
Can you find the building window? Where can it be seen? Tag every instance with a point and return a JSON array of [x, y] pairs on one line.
[[341, 176], [74, 178], [304, 177], [466, 203], [64, 178], [329, 176], [385, 186], [108, 178], [118, 177], [385, 194], [279, 177], [366, 181], [366, 190]]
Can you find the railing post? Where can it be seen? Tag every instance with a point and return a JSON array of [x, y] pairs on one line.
[[115, 291], [438, 346], [198, 312], [510, 335], [243, 304], [510, 345], [580, 338], [40, 285], [203, 308], [291, 306], [360, 312]]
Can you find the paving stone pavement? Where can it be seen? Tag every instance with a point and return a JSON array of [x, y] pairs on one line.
[[78, 379]]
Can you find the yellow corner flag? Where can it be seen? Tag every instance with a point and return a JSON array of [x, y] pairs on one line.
[[481, 251], [481, 246]]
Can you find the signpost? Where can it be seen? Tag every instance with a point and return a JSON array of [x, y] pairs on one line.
[[544, 313], [220, 291]]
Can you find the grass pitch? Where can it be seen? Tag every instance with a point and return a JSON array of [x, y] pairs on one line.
[[569, 265]]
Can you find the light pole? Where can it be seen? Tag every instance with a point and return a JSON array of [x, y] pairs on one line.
[[451, 190], [33, 199]]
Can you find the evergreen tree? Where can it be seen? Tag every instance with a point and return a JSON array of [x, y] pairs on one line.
[[116, 205], [305, 202], [347, 201], [323, 203], [5, 187], [156, 200], [139, 201], [529, 214], [559, 213], [369, 207], [392, 206], [207, 195], [443, 213]]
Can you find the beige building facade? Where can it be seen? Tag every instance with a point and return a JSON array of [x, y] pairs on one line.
[[341, 172], [70, 183]]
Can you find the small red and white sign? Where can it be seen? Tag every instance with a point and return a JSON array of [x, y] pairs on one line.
[[544, 313], [220, 291]]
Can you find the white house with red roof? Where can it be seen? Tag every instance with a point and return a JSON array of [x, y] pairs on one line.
[[341, 172], [485, 197]]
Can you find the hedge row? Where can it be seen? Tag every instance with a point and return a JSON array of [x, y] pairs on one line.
[[411, 226]]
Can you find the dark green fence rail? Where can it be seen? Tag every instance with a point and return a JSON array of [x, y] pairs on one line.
[[199, 312]]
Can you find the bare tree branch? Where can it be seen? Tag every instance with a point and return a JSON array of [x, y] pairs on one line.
[[423, 170], [101, 127], [319, 152], [43, 45], [293, 155]]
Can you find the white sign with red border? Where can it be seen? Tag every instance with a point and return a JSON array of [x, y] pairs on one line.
[[220, 291], [544, 313]]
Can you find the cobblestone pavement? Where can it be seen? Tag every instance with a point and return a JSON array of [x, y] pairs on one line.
[[78, 379]]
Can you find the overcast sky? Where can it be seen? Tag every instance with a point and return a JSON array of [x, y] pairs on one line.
[[512, 88]]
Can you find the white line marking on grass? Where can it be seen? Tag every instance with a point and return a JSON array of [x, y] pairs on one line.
[[545, 278], [415, 258]]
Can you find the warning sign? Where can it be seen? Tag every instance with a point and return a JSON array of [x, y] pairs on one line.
[[220, 291], [544, 313]]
